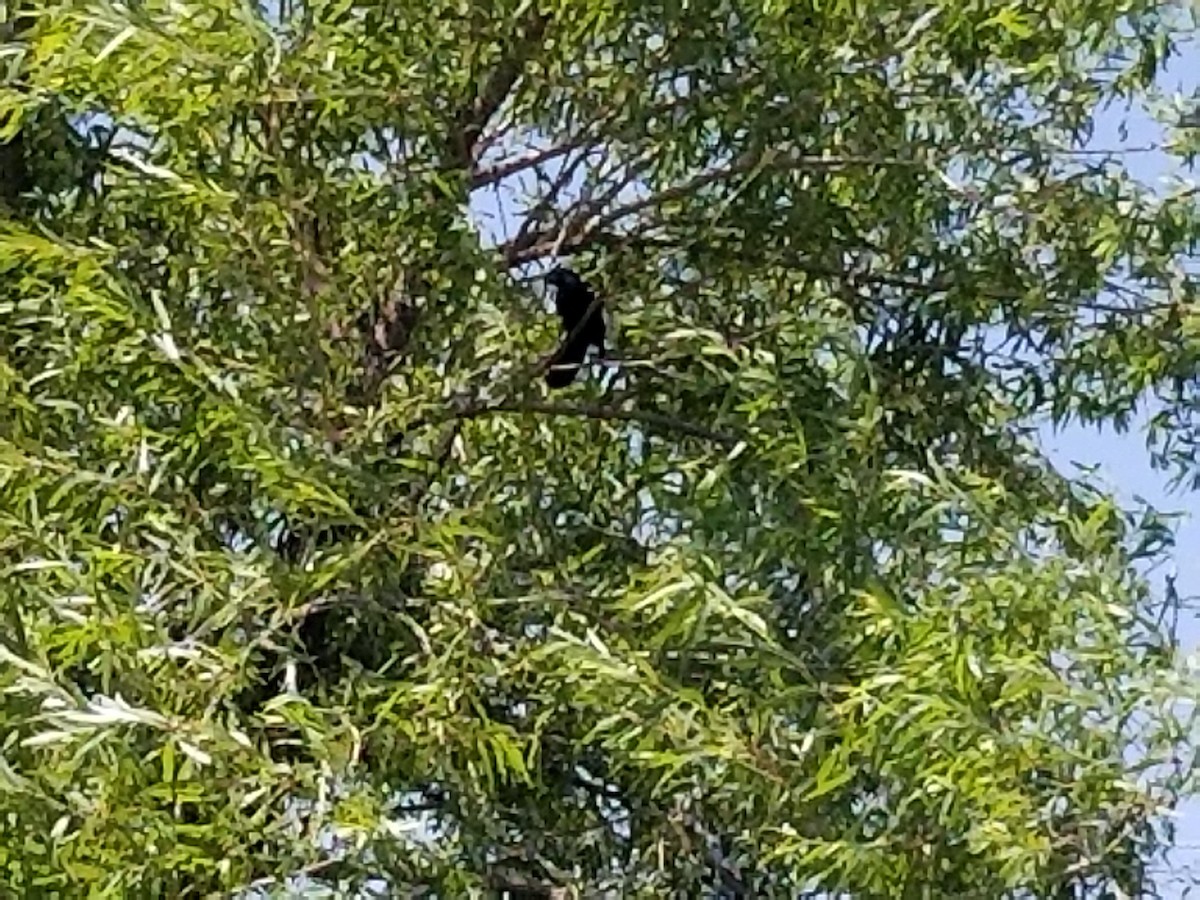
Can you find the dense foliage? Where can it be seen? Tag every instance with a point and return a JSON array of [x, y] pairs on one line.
[[304, 575]]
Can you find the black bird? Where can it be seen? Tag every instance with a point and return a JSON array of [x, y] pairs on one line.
[[572, 301]]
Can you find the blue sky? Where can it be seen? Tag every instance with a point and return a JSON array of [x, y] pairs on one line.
[[1124, 466], [1123, 460]]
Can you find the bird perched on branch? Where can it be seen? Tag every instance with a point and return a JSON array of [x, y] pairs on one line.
[[582, 325]]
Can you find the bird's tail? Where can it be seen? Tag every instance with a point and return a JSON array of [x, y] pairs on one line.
[[565, 364]]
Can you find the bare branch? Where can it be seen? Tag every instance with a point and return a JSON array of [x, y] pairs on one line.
[[584, 226], [500, 171], [534, 217]]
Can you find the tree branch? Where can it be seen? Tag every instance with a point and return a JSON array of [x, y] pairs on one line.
[[501, 170], [534, 216], [582, 228], [594, 132], [472, 121], [606, 412]]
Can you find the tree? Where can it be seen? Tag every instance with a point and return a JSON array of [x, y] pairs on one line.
[[305, 577]]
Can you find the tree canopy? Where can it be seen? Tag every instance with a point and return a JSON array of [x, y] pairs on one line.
[[307, 580]]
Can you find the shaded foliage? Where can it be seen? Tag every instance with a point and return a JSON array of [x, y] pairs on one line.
[[303, 577]]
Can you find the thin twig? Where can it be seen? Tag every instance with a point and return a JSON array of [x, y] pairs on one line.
[[534, 217]]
